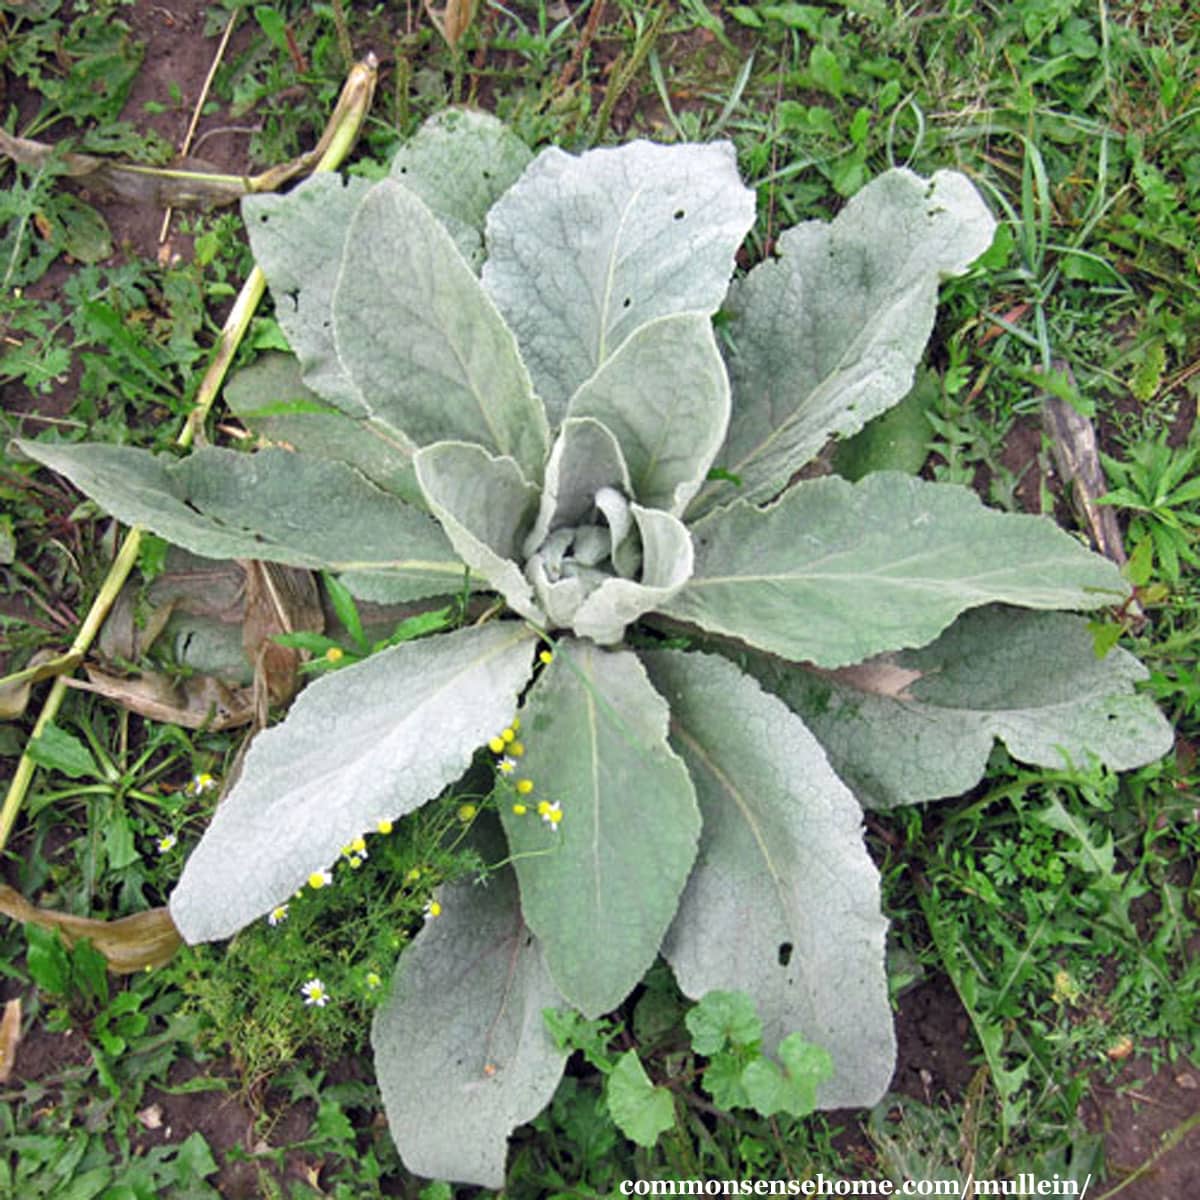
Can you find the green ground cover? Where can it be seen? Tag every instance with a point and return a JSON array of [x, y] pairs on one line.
[[1054, 912]]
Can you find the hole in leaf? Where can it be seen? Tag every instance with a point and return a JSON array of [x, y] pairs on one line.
[[626, 302], [679, 214], [785, 953]]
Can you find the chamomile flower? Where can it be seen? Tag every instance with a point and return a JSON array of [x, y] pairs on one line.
[[373, 980], [277, 915], [432, 909], [320, 879], [334, 654], [520, 809], [314, 993], [384, 826], [524, 786], [496, 745], [467, 812], [506, 766], [551, 813], [201, 783], [546, 657], [166, 843]]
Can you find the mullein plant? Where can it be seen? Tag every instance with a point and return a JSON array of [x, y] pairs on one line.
[[506, 365]]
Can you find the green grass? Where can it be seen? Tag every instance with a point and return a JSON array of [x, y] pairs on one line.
[[1060, 905]]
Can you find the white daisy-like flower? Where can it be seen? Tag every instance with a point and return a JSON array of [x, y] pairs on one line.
[[277, 915], [166, 843], [314, 993]]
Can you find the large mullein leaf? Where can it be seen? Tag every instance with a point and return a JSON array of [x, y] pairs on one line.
[[364, 744], [920, 724], [665, 396], [460, 163], [486, 508], [783, 902], [298, 240], [835, 572], [273, 505], [421, 340], [600, 888], [462, 1053], [828, 335], [666, 566], [272, 400], [583, 251]]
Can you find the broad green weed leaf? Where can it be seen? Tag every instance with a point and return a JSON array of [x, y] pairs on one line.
[[600, 888], [667, 561], [270, 397], [836, 572], [723, 1018], [421, 340], [273, 505], [665, 396], [461, 1051], [367, 743], [298, 241], [781, 865], [460, 162], [1094, 857], [59, 750], [896, 440], [793, 1089], [641, 1111], [584, 251], [828, 334], [486, 508], [919, 725]]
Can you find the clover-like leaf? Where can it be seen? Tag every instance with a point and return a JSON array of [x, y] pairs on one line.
[[835, 572], [665, 396], [595, 738], [486, 507], [781, 864], [584, 251], [461, 1050], [920, 724], [792, 1089], [828, 334], [436, 360], [288, 508], [367, 743]]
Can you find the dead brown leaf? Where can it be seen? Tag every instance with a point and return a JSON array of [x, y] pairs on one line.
[[200, 702], [146, 939], [278, 600], [10, 1037]]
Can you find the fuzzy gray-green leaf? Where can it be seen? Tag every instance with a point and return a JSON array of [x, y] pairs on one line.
[[584, 251], [836, 572], [665, 396], [783, 902], [298, 241], [370, 742], [273, 505], [600, 888], [486, 508], [460, 162], [827, 335], [919, 725], [271, 398], [666, 566], [422, 342], [461, 1049]]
